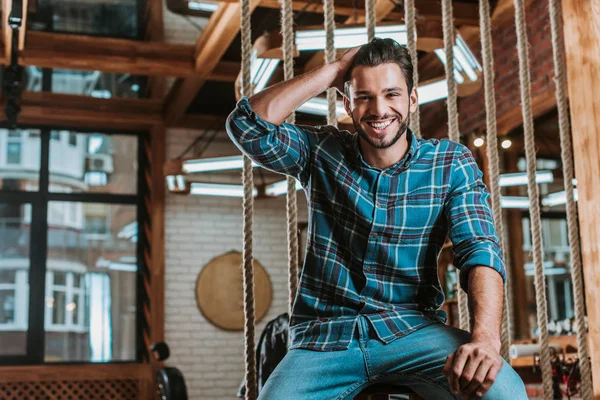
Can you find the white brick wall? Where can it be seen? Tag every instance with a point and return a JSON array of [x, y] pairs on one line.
[[197, 230]]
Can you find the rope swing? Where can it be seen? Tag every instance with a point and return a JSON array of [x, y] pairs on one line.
[[247, 214], [287, 29], [532, 189], [492, 154], [411, 42]]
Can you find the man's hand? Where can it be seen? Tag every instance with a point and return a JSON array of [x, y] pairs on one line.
[[342, 64], [472, 369]]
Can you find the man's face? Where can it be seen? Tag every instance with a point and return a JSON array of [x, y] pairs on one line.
[[379, 104]]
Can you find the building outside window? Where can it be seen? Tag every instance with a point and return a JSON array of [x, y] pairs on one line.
[[68, 275]]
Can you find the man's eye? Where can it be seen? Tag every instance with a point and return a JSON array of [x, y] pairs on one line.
[[393, 95]]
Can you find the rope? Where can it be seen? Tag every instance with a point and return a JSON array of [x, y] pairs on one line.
[[330, 58], [411, 33], [453, 133], [558, 50], [248, 211], [287, 28], [492, 153], [448, 26], [540, 284], [370, 17]]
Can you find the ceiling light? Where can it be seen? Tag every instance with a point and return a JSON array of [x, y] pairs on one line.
[[520, 178], [218, 189], [202, 6], [478, 142], [520, 202], [343, 38], [279, 188], [506, 144], [558, 198], [214, 164]]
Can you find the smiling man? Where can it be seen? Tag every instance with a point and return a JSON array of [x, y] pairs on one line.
[[381, 203]]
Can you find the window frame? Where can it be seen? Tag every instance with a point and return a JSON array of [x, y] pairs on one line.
[[38, 214]]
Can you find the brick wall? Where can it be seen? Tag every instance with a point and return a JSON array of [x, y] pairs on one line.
[[506, 70], [197, 230]]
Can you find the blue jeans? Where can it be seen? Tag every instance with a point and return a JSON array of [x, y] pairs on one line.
[[414, 361]]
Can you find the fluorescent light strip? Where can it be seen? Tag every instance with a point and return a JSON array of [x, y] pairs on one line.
[[347, 37], [520, 178], [441, 54], [558, 198], [266, 68], [214, 164], [171, 183], [218, 189], [279, 188], [520, 202], [180, 180], [202, 6]]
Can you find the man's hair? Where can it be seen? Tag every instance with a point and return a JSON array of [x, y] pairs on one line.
[[380, 51]]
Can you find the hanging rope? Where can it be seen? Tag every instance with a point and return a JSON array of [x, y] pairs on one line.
[[287, 29], [330, 58], [411, 34], [453, 133], [492, 153], [448, 26], [248, 211], [370, 17], [558, 50], [536, 224]]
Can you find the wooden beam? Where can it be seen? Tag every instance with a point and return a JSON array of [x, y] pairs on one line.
[[78, 372], [55, 50], [23, 25], [221, 30], [6, 30], [512, 119], [43, 108], [157, 238], [581, 28], [464, 13], [225, 71], [155, 33]]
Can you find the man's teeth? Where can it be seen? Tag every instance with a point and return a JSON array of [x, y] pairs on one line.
[[380, 125]]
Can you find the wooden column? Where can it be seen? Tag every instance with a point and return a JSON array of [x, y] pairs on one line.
[[514, 246], [582, 41], [157, 238]]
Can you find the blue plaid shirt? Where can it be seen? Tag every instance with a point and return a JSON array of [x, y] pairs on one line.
[[374, 235]]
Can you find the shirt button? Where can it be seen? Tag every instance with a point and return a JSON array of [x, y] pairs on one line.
[[379, 205], [374, 234]]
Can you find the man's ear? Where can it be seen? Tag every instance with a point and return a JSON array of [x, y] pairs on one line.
[[414, 100], [347, 106]]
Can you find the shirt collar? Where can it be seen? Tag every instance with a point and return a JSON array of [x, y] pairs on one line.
[[401, 165]]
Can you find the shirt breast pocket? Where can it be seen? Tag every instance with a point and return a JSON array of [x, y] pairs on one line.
[[418, 218]]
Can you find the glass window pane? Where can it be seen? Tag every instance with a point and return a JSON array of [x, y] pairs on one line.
[[19, 160], [97, 164], [15, 220], [60, 278], [95, 314], [58, 307], [95, 17], [101, 85]]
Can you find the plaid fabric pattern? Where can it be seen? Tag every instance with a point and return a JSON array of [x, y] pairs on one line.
[[374, 235]]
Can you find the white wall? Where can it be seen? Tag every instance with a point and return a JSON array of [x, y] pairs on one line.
[[197, 230]]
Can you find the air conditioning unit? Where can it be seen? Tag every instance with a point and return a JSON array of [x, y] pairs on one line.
[[100, 163]]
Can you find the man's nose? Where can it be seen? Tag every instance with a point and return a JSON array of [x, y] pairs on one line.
[[378, 107]]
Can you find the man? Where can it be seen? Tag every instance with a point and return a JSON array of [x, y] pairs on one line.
[[381, 204]]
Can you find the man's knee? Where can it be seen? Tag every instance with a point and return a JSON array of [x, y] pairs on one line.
[[508, 385]]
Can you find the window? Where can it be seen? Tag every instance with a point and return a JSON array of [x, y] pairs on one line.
[[73, 139], [557, 269], [79, 302], [90, 17]]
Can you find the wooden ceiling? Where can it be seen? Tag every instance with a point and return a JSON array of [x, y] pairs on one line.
[[204, 72]]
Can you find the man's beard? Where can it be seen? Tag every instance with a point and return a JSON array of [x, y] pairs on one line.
[[382, 144]]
